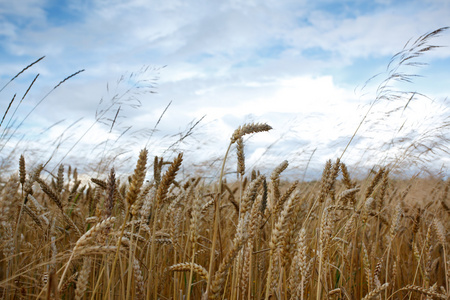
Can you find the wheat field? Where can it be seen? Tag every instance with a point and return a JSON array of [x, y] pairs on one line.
[[158, 234], [260, 237]]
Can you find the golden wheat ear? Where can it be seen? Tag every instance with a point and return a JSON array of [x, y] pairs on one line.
[[248, 129], [137, 180]]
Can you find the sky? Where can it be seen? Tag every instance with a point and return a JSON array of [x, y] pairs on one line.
[[180, 76]]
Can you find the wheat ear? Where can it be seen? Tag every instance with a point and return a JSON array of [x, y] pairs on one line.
[[372, 294], [248, 129], [83, 278], [83, 240], [137, 178], [161, 194], [184, 267]]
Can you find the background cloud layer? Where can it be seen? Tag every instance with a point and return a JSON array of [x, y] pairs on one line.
[[297, 65]]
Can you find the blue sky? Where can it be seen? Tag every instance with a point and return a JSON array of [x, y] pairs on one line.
[[298, 65]]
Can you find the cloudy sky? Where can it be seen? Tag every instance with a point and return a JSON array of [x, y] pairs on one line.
[[300, 66]]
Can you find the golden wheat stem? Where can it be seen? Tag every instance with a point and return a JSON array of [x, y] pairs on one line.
[[65, 270], [130, 263], [216, 223], [152, 248], [116, 257], [161, 194], [191, 273], [323, 240], [193, 228], [99, 277]]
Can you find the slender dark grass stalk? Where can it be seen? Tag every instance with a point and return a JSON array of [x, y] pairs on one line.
[[157, 123], [37, 104], [7, 109], [184, 135], [23, 97], [23, 70]]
